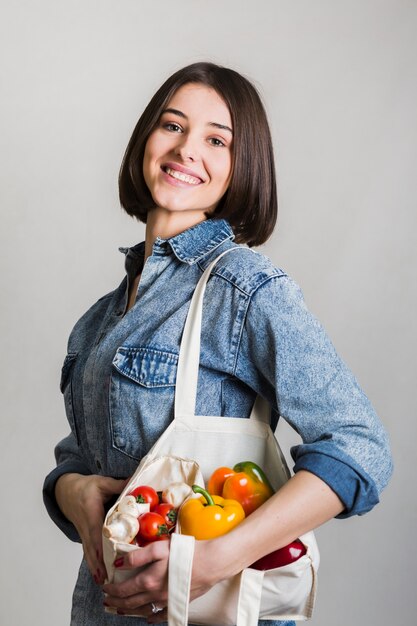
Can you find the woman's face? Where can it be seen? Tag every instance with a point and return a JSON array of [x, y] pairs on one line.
[[187, 163]]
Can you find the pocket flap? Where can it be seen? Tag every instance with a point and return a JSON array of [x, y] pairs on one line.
[[149, 367]]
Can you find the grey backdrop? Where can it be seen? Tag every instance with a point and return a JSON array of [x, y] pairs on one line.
[[339, 83]]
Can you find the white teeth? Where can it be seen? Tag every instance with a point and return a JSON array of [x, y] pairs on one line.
[[191, 180]]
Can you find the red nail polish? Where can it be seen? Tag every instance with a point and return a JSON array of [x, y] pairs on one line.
[[119, 562], [106, 603], [95, 579]]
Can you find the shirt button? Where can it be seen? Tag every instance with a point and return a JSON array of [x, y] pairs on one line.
[[119, 441], [98, 464]]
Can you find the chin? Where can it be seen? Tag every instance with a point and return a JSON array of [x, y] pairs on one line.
[[176, 206]]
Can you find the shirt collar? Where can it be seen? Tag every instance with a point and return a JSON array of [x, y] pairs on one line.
[[195, 242], [190, 245]]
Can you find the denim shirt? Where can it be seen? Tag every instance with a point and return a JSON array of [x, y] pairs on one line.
[[118, 378]]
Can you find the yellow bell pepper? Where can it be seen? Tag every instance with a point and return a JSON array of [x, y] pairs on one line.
[[209, 516]]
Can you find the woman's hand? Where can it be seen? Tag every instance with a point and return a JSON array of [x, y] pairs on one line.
[[150, 586], [81, 499]]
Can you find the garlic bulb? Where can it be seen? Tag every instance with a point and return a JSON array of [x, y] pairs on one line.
[[122, 527], [176, 493]]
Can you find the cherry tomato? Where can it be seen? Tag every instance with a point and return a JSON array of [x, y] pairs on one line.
[[152, 527], [143, 493], [283, 556], [142, 542], [168, 512]]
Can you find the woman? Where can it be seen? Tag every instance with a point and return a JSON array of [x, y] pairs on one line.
[[199, 172]]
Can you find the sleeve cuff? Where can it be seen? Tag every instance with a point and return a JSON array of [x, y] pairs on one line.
[[343, 475], [50, 502]]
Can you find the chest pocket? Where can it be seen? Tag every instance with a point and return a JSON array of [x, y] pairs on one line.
[[141, 398], [66, 386]]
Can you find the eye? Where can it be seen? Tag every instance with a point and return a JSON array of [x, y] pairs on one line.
[[171, 126], [215, 141]]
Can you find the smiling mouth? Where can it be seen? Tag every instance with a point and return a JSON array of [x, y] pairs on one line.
[[185, 178]]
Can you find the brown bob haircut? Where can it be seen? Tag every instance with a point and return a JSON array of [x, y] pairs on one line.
[[250, 203]]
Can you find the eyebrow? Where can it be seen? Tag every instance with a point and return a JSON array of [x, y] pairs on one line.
[[181, 114]]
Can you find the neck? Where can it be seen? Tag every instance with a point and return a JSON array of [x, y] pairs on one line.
[[166, 224]]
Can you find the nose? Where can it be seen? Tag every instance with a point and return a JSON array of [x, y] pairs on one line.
[[187, 148]]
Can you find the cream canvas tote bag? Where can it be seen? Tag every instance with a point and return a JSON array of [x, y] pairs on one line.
[[190, 449]]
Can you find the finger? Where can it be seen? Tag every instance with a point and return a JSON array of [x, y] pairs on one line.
[[158, 618], [91, 527], [137, 602], [91, 555], [148, 584], [146, 611], [94, 551], [151, 579], [95, 564], [112, 486], [140, 557], [134, 587]]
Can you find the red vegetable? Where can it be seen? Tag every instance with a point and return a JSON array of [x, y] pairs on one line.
[[141, 542], [283, 556], [143, 493], [152, 527], [168, 512]]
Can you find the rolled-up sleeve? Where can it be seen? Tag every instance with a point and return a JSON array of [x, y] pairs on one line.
[[287, 352], [69, 460]]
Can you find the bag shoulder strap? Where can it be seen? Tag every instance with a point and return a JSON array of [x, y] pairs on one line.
[[189, 356]]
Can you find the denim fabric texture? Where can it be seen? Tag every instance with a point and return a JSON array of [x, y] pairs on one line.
[[118, 378]]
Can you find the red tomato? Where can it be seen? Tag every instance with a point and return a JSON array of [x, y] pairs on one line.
[[152, 527], [143, 493], [141, 542], [284, 556], [168, 512]]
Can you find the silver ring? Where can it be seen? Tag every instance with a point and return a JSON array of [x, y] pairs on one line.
[[155, 609]]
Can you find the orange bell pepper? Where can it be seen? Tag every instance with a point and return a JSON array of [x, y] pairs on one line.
[[217, 480], [209, 516], [246, 483]]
